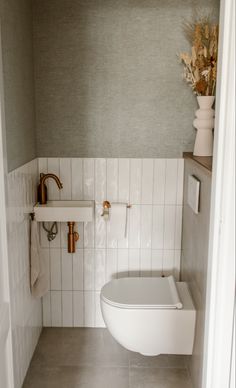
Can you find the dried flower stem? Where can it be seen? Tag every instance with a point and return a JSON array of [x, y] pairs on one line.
[[200, 67]]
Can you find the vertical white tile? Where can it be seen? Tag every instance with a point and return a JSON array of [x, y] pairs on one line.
[[171, 181], [56, 303], [55, 269], [77, 178], [78, 308], [88, 178], [158, 227], [124, 242], [157, 262], [78, 270], [64, 232], [67, 309], [42, 165], [66, 268], [134, 226], [65, 177], [89, 234], [177, 259], [112, 180], [134, 262], [123, 263], [89, 269], [135, 181], [123, 188], [159, 181], [178, 227], [79, 227], [100, 180], [147, 181], [99, 322], [145, 262], [180, 182], [111, 264], [89, 309], [146, 226], [100, 228], [169, 227], [168, 262], [100, 268], [53, 167], [47, 310], [111, 241]]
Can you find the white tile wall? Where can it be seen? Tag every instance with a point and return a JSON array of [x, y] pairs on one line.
[[154, 188], [26, 311]]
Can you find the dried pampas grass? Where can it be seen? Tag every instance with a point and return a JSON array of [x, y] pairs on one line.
[[200, 66]]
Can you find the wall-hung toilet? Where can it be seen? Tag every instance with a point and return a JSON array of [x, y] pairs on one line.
[[150, 315]]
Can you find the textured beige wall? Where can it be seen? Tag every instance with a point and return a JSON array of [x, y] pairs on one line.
[[108, 82], [17, 53], [195, 259]]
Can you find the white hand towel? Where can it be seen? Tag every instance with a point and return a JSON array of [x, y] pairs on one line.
[[118, 221], [39, 276]]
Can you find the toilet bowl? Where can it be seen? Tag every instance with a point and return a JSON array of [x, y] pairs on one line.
[[150, 316]]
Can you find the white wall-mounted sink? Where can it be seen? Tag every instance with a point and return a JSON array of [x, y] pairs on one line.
[[64, 211]]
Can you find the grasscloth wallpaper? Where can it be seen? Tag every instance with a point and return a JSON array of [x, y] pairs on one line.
[[102, 77], [17, 57], [108, 81]]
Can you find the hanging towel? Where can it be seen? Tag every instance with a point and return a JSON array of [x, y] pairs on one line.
[[118, 220], [39, 276]]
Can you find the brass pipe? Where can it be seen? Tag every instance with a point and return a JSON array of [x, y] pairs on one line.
[[72, 237]]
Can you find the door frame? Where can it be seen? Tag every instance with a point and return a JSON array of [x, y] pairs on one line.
[[220, 301], [5, 316]]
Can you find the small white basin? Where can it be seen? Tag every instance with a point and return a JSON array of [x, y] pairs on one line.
[[64, 211]]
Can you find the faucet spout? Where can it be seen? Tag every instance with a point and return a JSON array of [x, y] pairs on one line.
[[42, 188]]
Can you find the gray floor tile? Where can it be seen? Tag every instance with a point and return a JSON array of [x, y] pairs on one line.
[[177, 361], [91, 358], [159, 378], [77, 377], [137, 360], [79, 347]]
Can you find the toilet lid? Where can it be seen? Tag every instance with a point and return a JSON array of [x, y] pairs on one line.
[[158, 293]]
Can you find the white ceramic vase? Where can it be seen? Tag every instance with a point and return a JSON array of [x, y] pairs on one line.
[[204, 123]]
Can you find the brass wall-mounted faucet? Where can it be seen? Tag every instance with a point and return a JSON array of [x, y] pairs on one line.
[[42, 188]]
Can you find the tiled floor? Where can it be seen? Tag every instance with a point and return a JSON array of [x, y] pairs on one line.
[[90, 358]]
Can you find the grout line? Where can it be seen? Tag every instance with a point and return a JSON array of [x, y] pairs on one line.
[[164, 219], [83, 295], [61, 289], [72, 290], [70, 162]]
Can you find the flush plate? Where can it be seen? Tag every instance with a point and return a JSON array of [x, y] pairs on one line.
[[64, 211], [193, 193]]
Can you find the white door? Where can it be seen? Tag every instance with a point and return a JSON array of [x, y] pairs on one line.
[[6, 364]]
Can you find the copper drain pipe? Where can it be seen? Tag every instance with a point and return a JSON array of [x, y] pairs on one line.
[[72, 237]]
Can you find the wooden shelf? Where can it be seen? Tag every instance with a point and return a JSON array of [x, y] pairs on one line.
[[205, 161]]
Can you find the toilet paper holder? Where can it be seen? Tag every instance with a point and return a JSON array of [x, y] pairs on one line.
[[106, 206]]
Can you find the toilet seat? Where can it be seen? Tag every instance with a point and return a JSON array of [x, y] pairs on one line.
[[142, 293]]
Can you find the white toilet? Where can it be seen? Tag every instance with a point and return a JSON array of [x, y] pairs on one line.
[[150, 315]]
